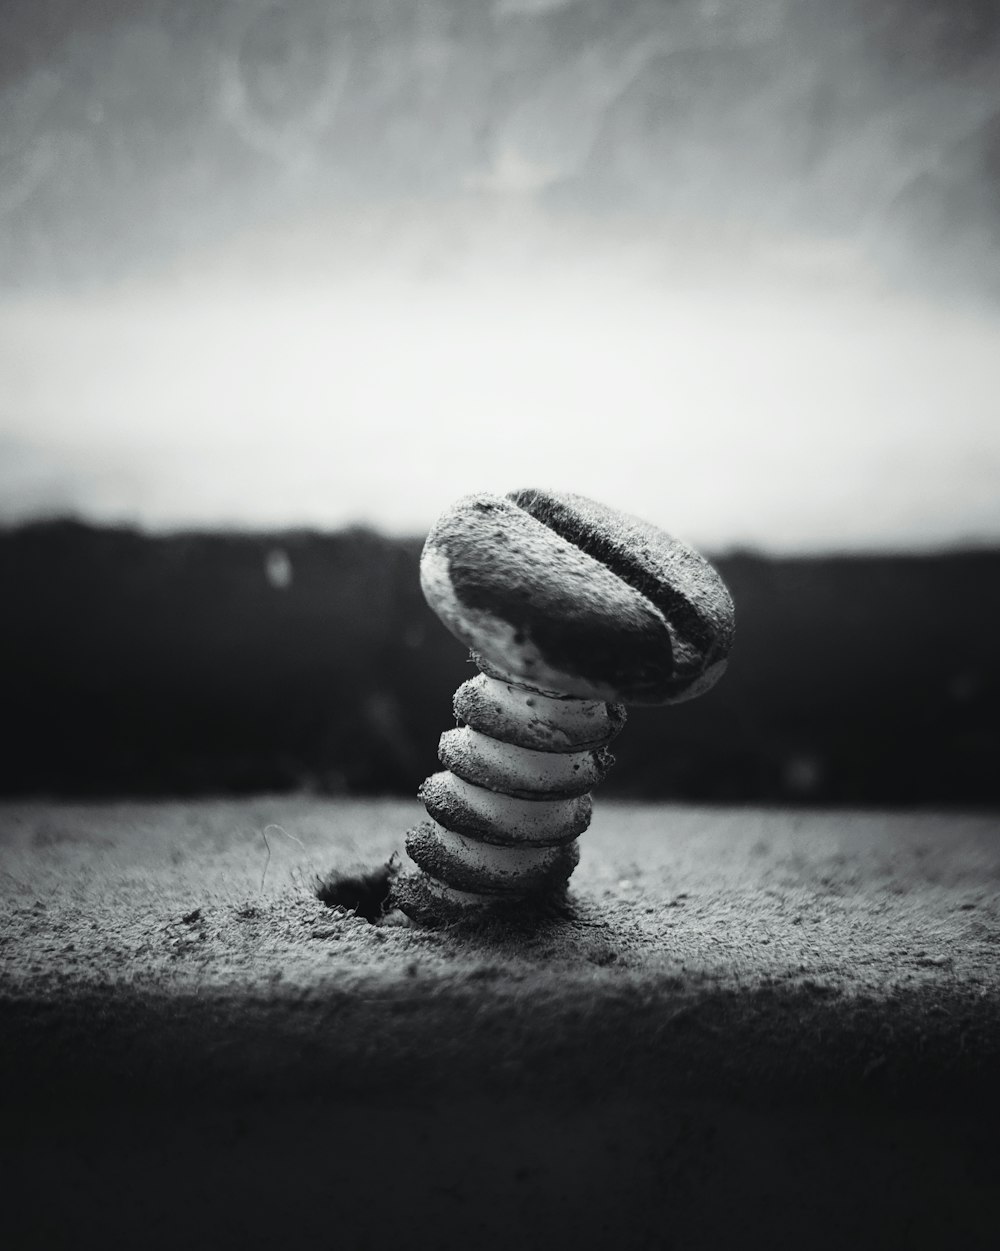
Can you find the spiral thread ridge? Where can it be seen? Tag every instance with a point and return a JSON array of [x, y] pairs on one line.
[[506, 812]]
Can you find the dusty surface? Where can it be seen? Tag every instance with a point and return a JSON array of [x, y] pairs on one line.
[[822, 943], [753, 1006]]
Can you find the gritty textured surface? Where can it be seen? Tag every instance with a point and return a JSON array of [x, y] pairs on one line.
[[489, 870], [751, 1028], [687, 590], [536, 605], [754, 945], [520, 771], [473, 813], [512, 714]]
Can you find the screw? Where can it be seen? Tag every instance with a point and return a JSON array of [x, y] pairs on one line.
[[572, 610]]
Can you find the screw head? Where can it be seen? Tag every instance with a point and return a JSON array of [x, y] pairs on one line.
[[563, 594]]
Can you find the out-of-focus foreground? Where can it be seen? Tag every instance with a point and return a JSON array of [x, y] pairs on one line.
[[753, 1028]]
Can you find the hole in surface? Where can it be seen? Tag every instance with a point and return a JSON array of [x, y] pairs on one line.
[[365, 892]]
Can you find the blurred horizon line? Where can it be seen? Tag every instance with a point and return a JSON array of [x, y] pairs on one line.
[[275, 535]]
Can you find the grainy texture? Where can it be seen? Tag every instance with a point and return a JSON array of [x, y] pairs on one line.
[[474, 813], [567, 594], [533, 603], [487, 869], [687, 590], [752, 1024], [512, 714], [729, 913]]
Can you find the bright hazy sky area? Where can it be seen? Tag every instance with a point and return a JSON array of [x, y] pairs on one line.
[[731, 266], [760, 411]]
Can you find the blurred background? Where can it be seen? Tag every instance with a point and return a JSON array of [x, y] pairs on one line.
[[280, 280]]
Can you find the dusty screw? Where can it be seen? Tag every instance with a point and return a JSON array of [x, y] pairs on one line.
[[571, 610]]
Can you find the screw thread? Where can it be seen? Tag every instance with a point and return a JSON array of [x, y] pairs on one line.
[[506, 812]]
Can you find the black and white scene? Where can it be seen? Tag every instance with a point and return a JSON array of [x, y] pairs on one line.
[[500, 548]]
